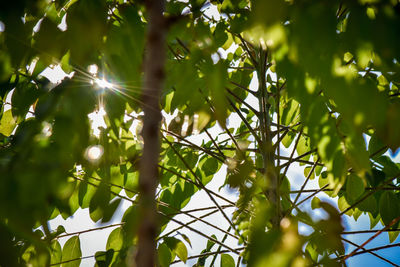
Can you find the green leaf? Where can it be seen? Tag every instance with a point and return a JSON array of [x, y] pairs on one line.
[[290, 112], [288, 139], [186, 238], [354, 188], [285, 185], [220, 35], [104, 258], [178, 195], [241, 174], [190, 159], [50, 41], [269, 12], [315, 203], [23, 97], [132, 183], [99, 202], [85, 194], [389, 167], [311, 251], [216, 77], [5, 67], [227, 261], [164, 255], [55, 252], [338, 165], [129, 34], [210, 166], [303, 147], [376, 178], [131, 224], [7, 123], [356, 214], [178, 247], [72, 252], [117, 178], [307, 172], [369, 205], [109, 210], [84, 14], [373, 220], [389, 207], [211, 243], [392, 129], [393, 236], [181, 251], [375, 145], [115, 239], [343, 205]]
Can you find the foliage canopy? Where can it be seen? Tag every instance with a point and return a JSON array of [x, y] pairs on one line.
[[328, 74]]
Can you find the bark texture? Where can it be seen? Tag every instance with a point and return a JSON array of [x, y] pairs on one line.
[[148, 177]]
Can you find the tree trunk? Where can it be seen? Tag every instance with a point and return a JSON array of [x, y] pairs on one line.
[[148, 177]]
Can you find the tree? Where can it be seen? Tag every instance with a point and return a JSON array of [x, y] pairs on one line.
[[328, 77]]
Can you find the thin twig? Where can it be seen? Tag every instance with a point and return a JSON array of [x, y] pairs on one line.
[[242, 101], [208, 254], [195, 183], [206, 151], [188, 223], [201, 233], [245, 121], [306, 181], [89, 230], [163, 204], [370, 252], [370, 231], [369, 194], [393, 222], [373, 249], [292, 154], [200, 183], [298, 157], [82, 258], [215, 143], [305, 199]]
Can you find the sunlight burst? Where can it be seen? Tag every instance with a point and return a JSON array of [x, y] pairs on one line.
[[103, 83], [92, 69]]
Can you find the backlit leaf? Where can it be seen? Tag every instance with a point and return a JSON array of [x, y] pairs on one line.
[[115, 239], [164, 255], [227, 261], [354, 188], [177, 247], [72, 252], [389, 206], [7, 123], [55, 252]]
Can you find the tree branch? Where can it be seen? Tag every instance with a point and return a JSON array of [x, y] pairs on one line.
[[148, 174]]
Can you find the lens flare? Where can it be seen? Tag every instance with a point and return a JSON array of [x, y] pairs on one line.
[[92, 69], [47, 129], [103, 83], [94, 153]]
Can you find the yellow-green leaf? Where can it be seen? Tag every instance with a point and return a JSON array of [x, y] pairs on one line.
[[7, 123], [227, 261], [71, 252]]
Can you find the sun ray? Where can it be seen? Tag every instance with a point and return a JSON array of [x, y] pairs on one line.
[[103, 83]]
